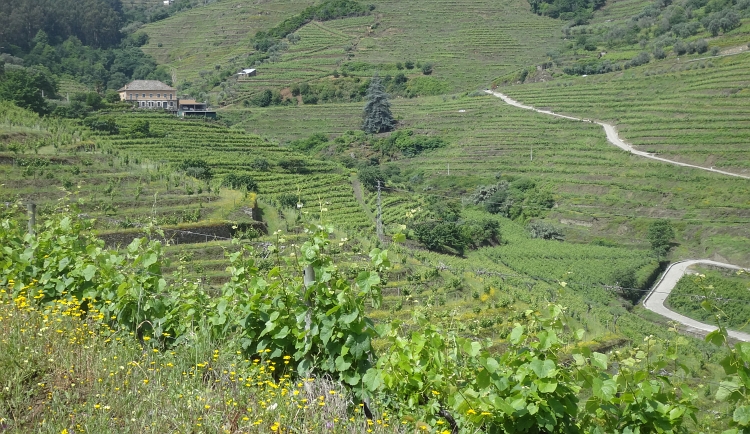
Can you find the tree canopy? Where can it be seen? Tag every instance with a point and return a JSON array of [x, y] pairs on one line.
[[94, 22], [378, 117], [24, 88]]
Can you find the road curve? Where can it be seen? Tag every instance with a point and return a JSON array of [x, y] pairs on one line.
[[654, 301], [612, 136]]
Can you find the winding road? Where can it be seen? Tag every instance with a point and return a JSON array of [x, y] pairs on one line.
[[612, 136], [654, 301]]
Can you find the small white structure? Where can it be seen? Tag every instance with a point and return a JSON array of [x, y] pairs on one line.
[[168, 2], [247, 73]]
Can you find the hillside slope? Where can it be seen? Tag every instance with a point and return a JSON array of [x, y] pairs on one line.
[[469, 42]]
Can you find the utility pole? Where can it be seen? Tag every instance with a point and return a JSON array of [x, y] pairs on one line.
[[31, 207], [379, 224]]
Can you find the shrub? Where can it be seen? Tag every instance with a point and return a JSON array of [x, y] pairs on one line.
[[427, 69], [239, 182], [680, 48], [370, 176], [310, 99], [446, 237], [641, 59], [701, 46], [196, 168], [288, 200], [545, 231], [659, 53]]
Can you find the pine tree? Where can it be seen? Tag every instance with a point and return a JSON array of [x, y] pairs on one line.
[[378, 117]]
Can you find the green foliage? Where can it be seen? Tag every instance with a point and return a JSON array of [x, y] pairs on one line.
[[140, 129], [518, 198], [294, 165], [197, 168], [26, 22], [407, 143], [311, 144], [579, 10], [321, 327], [481, 232], [287, 200], [441, 236], [101, 68], [377, 113], [627, 283], [434, 374], [729, 295], [735, 388], [327, 10], [660, 235], [426, 86], [370, 176], [238, 182], [24, 88], [545, 231], [106, 125]]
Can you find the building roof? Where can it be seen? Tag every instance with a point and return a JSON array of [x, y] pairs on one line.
[[147, 85], [191, 102], [247, 71]]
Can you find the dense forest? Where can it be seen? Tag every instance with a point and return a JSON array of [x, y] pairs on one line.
[[92, 41]]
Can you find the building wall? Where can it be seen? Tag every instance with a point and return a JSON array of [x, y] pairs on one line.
[[151, 98]]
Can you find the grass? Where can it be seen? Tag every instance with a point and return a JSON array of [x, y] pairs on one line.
[[469, 42], [600, 190], [726, 289], [66, 371], [693, 112], [191, 41]]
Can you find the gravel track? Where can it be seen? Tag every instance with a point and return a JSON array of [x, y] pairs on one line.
[[612, 136]]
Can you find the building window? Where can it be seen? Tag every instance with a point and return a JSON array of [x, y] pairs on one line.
[[144, 95], [158, 95], [170, 96], [151, 95]]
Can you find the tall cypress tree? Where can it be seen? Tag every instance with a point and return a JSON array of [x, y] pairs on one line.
[[377, 117]]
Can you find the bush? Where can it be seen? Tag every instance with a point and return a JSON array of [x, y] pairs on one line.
[[288, 200], [545, 231], [263, 99], [659, 53], [641, 59], [104, 125], [196, 168], [260, 164], [427, 69], [310, 99], [446, 237], [409, 64], [701, 46], [293, 165], [370, 176], [680, 48], [311, 143], [239, 182]]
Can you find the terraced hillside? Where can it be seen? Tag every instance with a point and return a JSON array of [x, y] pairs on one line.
[[320, 183], [695, 111], [469, 42], [199, 39], [600, 190]]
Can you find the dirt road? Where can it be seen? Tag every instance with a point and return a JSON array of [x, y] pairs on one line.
[[612, 136], [654, 301]]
